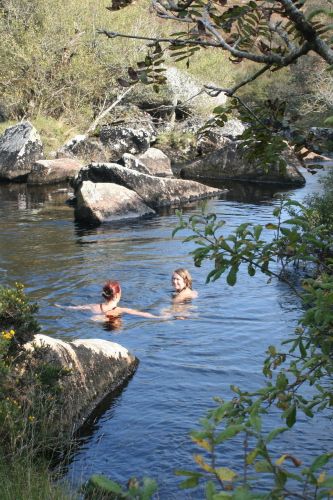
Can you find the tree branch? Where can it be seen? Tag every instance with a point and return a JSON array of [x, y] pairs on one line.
[[307, 30], [107, 110], [231, 91]]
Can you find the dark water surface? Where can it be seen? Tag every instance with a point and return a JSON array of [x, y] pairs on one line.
[[183, 364]]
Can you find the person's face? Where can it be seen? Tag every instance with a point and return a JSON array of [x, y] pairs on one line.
[[178, 282]]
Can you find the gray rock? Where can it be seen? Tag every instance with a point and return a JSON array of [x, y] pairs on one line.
[[215, 138], [20, 147], [106, 202], [83, 147], [121, 139], [97, 367], [131, 161], [155, 191], [320, 139], [228, 163], [156, 162], [52, 171]]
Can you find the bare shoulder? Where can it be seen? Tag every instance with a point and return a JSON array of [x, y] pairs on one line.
[[185, 295]]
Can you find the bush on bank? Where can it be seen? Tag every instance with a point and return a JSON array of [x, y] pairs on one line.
[[29, 393]]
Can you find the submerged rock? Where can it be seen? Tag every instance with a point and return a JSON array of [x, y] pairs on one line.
[[20, 147], [96, 368], [106, 202], [52, 171], [155, 191]]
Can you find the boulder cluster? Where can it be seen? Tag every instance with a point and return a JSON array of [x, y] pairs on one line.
[[118, 173]]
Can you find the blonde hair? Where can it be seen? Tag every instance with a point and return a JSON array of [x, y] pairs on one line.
[[184, 273]]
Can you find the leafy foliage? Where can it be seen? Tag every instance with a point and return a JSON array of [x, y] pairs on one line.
[[298, 374], [271, 34], [29, 386], [106, 489], [17, 313]]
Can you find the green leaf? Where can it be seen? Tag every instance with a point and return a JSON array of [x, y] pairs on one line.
[[275, 432], [328, 483], [271, 226], [320, 461], [191, 482], [104, 484], [263, 466], [210, 490], [229, 432], [291, 416], [232, 276], [251, 270], [226, 474], [149, 488]]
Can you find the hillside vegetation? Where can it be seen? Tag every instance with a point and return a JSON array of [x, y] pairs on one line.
[[59, 72]]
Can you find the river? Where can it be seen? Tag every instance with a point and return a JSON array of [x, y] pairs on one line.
[[143, 431]]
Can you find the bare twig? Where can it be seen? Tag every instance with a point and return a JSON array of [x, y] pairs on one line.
[[93, 126]]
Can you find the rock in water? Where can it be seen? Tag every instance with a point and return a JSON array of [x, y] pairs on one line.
[[20, 147]]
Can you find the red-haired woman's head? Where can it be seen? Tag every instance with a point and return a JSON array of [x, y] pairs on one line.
[[111, 289]]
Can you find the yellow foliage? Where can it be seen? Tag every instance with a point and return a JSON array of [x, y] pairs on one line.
[[200, 461], [226, 474]]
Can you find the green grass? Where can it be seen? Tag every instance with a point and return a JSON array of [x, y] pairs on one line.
[[21, 480]]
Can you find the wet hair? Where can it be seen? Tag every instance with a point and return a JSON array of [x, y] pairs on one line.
[[110, 289], [184, 273]]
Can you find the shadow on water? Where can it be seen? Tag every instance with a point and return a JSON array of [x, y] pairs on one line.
[[249, 192], [107, 406]]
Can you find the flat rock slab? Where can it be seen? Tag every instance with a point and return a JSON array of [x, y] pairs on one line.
[[107, 202], [52, 171], [20, 147], [97, 368], [154, 191]]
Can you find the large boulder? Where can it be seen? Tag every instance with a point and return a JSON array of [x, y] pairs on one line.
[[96, 368], [320, 139], [156, 162], [120, 139], [211, 139], [155, 191], [229, 163], [106, 202], [20, 147], [53, 171], [131, 161], [84, 147]]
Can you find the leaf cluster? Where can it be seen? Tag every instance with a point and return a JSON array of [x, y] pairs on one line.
[[101, 487]]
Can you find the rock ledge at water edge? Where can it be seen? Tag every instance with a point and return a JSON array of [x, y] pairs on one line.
[[97, 368]]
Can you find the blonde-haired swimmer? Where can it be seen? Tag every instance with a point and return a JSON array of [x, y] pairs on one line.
[[182, 284], [111, 293]]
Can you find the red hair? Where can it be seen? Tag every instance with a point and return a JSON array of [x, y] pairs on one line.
[[110, 289]]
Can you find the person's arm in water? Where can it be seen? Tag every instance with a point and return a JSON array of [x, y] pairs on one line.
[[134, 312], [85, 307]]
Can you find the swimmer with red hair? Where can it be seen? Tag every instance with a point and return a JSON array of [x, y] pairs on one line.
[[111, 293]]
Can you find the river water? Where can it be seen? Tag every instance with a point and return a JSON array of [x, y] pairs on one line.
[[143, 431]]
